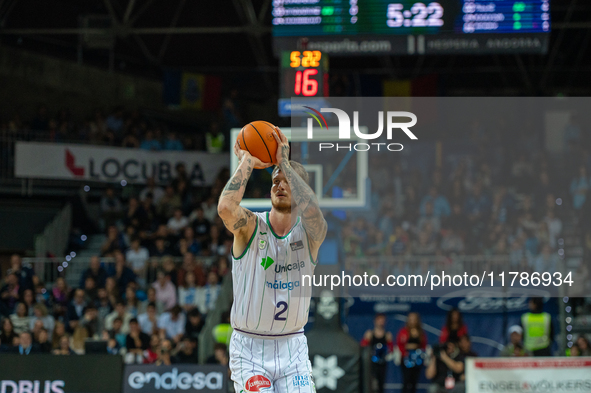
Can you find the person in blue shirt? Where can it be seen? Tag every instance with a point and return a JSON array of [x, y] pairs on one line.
[[441, 206], [172, 142], [149, 143]]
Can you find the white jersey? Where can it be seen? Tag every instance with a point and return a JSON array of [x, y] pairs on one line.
[[269, 298]]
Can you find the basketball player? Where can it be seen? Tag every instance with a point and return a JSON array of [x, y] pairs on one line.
[[271, 252]]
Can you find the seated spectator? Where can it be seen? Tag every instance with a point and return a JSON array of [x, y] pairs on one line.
[[399, 241], [29, 300], [122, 273], [165, 290], [41, 314], [64, 346], [160, 248], [135, 216], [151, 354], [169, 203], [7, 334], [133, 303], [220, 355], [111, 208], [194, 324], [574, 350], [165, 354], [515, 346], [208, 294], [150, 143], [90, 322], [210, 208], [113, 243], [438, 201], [177, 223], [112, 290], [24, 274], [75, 310], [153, 189], [454, 327], [200, 224], [151, 298], [172, 142], [117, 333], [20, 319], [42, 341], [137, 256], [136, 341], [58, 332], [193, 245], [121, 313], [187, 297], [103, 306], [59, 295], [9, 295], [465, 346], [187, 351], [446, 369], [583, 345], [148, 320], [172, 324], [96, 271], [26, 346], [190, 264], [90, 290]]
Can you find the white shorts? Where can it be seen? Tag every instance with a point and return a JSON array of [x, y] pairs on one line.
[[266, 365]]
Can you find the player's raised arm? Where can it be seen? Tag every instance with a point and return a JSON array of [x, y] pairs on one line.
[[302, 194], [240, 221]]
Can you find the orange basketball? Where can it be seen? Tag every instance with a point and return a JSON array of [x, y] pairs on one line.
[[257, 138]]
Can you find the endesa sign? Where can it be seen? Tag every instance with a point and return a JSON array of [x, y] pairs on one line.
[[60, 374], [113, 164], [177, 378], [528, 374]]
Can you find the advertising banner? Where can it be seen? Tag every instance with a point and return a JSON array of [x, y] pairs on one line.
[[60, 374], [113, 164], [181, 377], [552, 375]]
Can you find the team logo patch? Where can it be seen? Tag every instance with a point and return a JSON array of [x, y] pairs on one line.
[[301, 381], [296, 245], [262, 244], [258, 383], [267, 262]]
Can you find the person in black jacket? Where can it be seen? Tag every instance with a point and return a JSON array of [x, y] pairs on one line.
[[26, 346], [96, 271]]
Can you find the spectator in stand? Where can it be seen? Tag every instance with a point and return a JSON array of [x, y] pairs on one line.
[[59, 295], [138, 257], [122, 274], [200, 224], [90, 290], [554, 227], [169, 203], [177, 223], [20, 319], [538, 329], [64, 346], [112, 290], [412, 342], [24, 274], [96, 271], [191, 265], [515, 346], [133, 303], [194, 324], [113, 346], [583, 345], [151, 298], [113, 243], [193, 245], [115, 122], [381, 343], [58, 332], [135, 215], [104, 307], [446, 369], [160, 248], [187, 297], [208, 294], [75, 310], [170, 270], [579, 188], [148, 321], [465, 346], [9, 295], [121, 313], [89, 322], [210, 209], [186, 351], [136, 342], [454, 327], [214, 139], [42, 341], [172, 142], [215, 241], [29, 300], [172, 324], [117, 333], [41, 314], [151, 354], [439, 202], [429, 219], [7, 334], [150, 142], [220, 355], [151, 188], [547, 261], [111, 208], [165, 290], [26, 345]]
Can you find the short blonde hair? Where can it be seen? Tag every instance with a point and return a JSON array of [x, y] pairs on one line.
[[297, 167]]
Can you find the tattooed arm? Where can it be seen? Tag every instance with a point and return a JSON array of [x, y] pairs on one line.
[[303, 196], [240, 221]]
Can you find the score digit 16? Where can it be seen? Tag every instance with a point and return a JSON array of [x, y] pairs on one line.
[[305, 85]]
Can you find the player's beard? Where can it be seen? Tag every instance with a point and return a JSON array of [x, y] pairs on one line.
[[284, 208]]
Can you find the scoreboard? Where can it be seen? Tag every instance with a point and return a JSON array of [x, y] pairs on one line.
[[365, 27]]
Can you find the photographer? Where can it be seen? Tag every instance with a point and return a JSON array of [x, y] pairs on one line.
[[445, 369]]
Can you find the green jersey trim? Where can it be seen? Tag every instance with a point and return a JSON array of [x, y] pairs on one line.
[[273, 232]]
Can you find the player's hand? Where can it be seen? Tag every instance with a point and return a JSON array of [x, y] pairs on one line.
[[245, 155], [282, 146]]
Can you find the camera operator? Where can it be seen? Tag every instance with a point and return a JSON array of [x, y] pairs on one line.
[[445, 369]]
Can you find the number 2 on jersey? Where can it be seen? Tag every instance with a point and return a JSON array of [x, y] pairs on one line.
[[278, 316]]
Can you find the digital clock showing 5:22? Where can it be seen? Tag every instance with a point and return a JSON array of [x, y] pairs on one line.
[[417, 15]]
